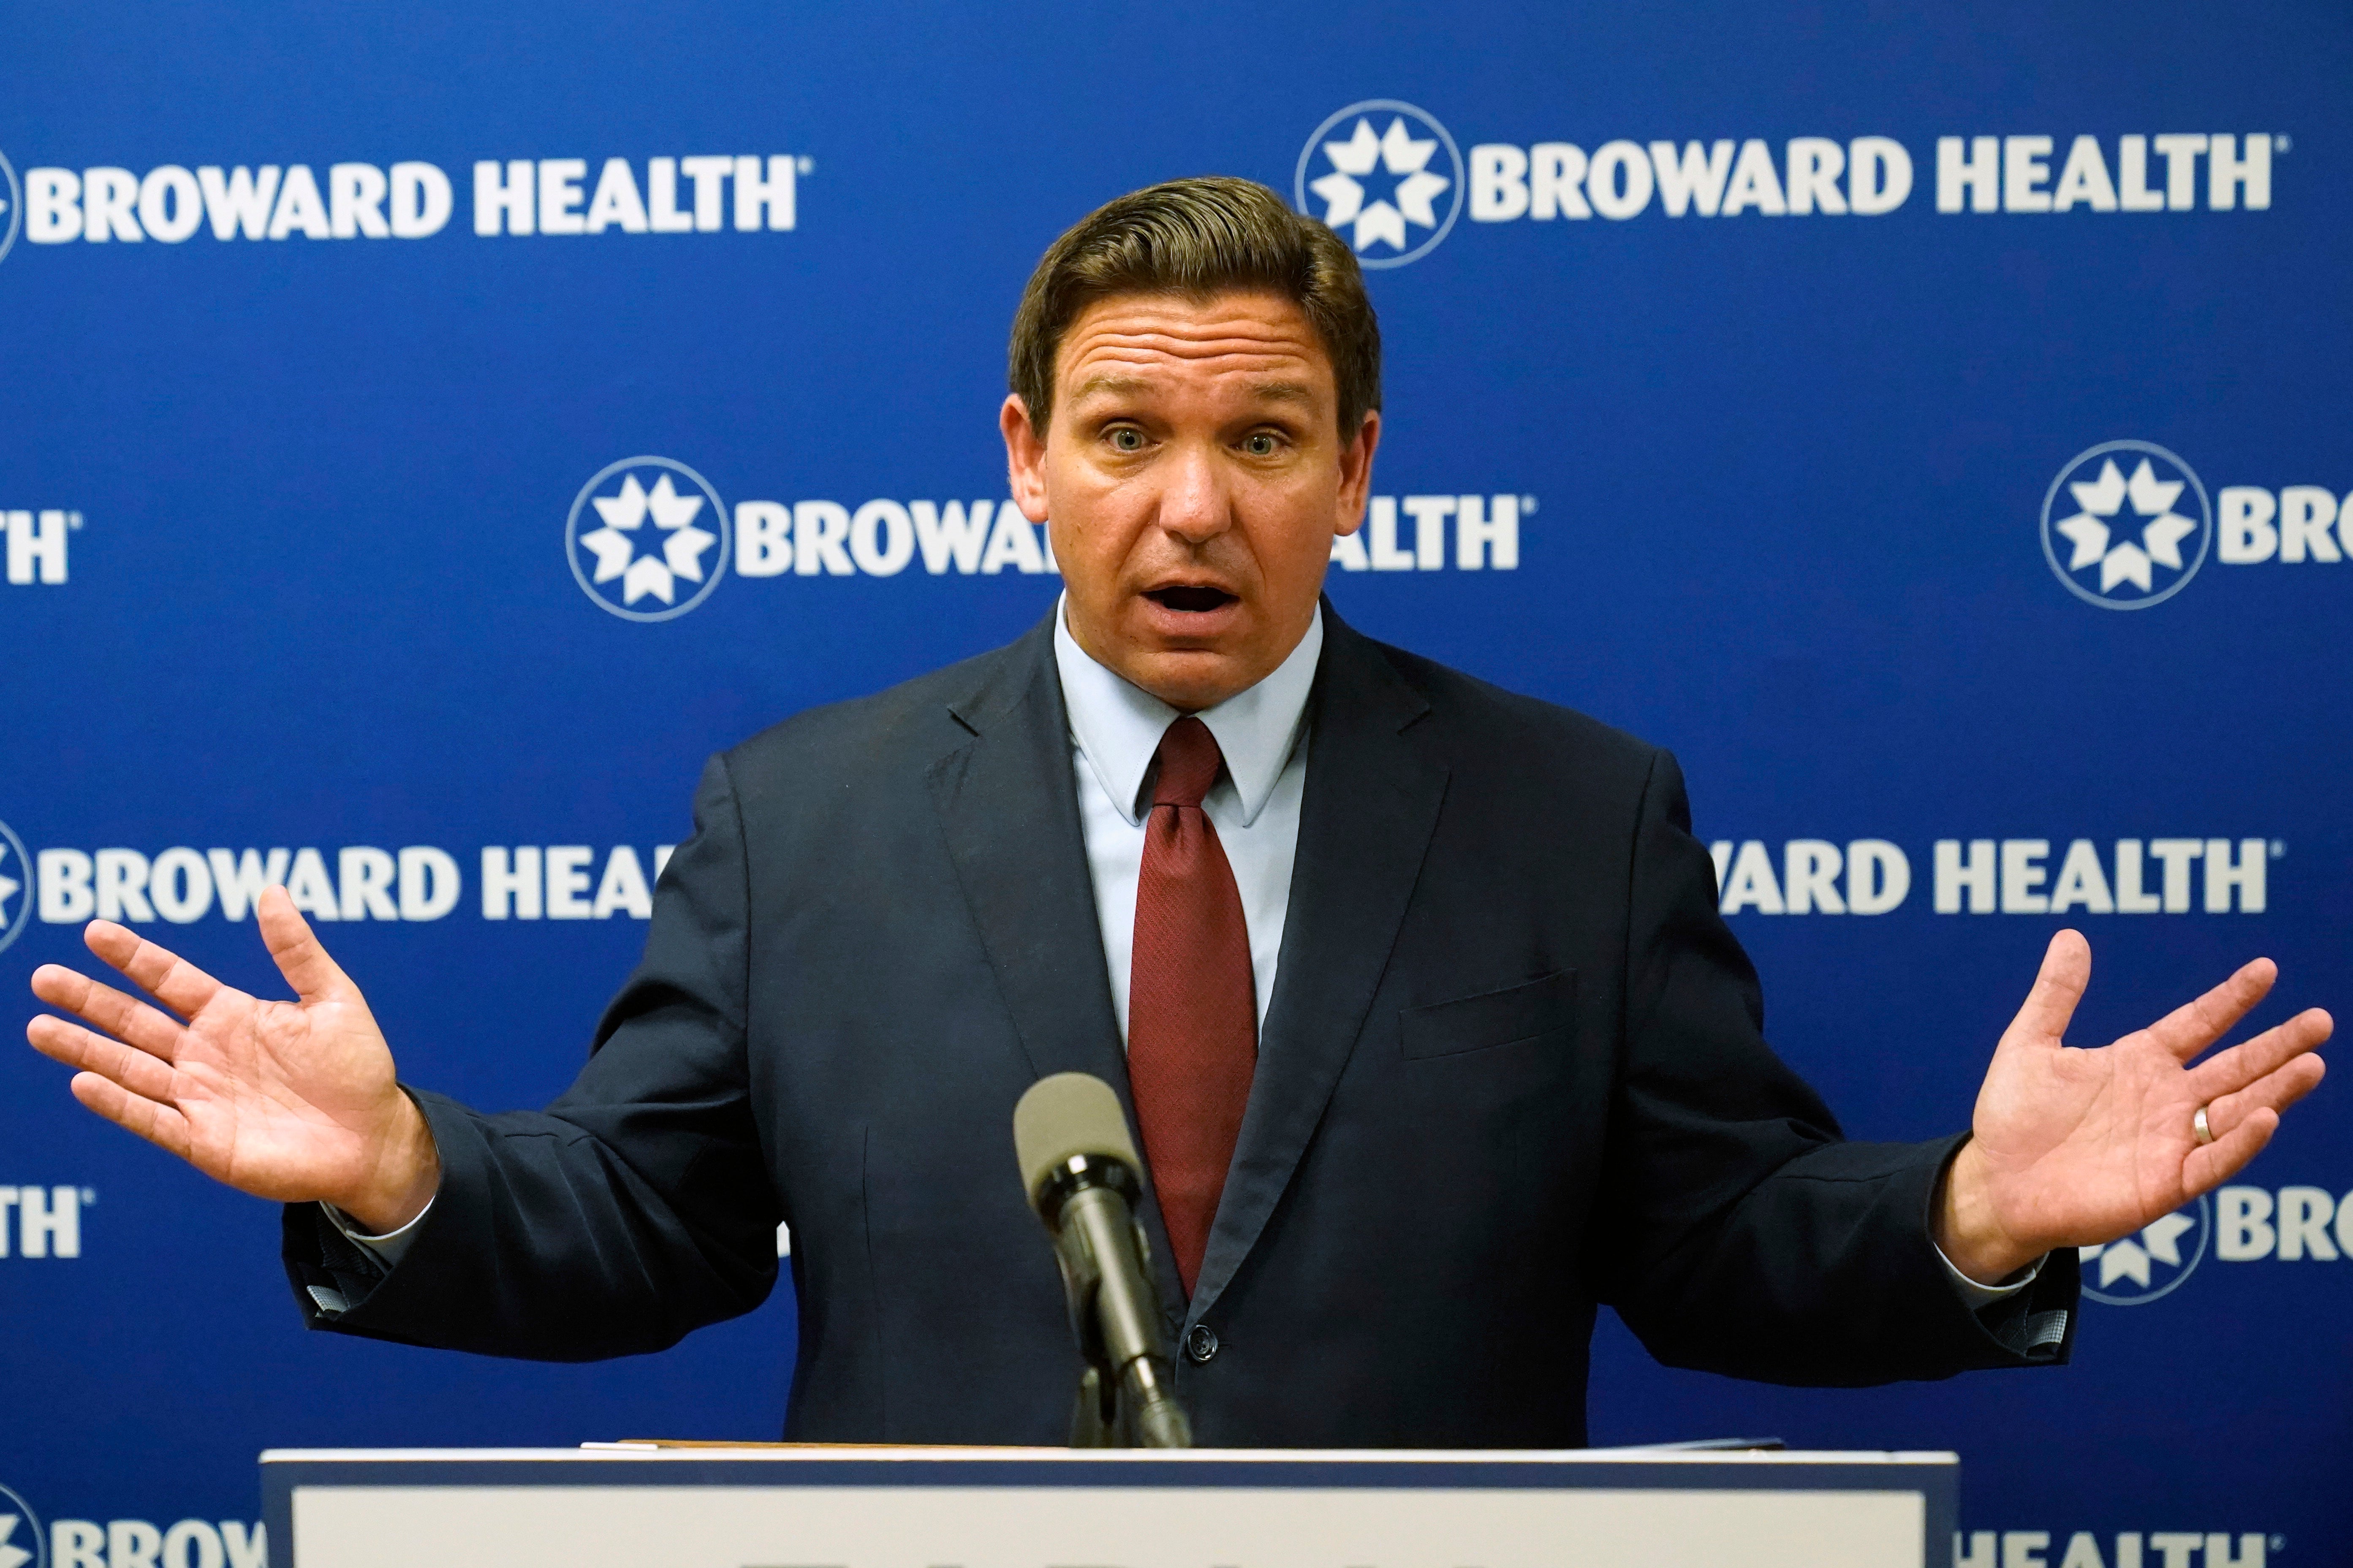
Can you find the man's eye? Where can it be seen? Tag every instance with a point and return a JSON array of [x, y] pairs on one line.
[[1260, 445], [1127, 439]]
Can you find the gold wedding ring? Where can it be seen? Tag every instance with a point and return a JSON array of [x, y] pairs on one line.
[[2198, 1125]]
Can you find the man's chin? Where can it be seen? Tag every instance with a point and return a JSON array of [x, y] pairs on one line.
[[1191, 679]]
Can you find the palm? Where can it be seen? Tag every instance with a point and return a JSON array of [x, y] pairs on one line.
[[2080, 1147], [280, 1096], [291, 1100]]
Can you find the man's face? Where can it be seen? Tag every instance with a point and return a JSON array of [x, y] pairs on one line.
[[1193, 478]]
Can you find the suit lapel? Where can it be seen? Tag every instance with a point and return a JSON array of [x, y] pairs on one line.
[[1010, 808], [1371, 805], [1008, 805]]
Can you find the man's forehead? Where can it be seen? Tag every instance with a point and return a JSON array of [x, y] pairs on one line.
[[1137, 342]]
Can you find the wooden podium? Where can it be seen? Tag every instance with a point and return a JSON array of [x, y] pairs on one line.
[[1029, 1507]]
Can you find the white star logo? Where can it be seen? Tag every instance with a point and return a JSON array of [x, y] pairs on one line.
[[1390, 180], [2129, 1258], [642, 574], [1397, 154], [2094, 539], [680, 544], [11, 1556]]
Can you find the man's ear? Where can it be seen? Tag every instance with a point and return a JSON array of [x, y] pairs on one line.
[[1025, 457], [1356, 475]]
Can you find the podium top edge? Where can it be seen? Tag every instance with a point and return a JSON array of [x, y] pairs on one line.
[[830, 1454]]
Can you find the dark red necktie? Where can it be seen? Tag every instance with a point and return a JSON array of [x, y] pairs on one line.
[[1192, 1008]]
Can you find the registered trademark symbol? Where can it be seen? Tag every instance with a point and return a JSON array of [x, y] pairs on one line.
[[1528, 503], [73, 520], [89, 1197], [2282, 145], [807, 166], [2279, 1542], [2279, 849]]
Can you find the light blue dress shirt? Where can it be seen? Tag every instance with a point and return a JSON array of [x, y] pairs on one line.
[[1115, 730]]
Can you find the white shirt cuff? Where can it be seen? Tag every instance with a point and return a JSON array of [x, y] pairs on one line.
[[389, 1247], [1979, 1296]]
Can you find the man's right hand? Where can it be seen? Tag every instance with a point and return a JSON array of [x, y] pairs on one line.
[[291, 1100]]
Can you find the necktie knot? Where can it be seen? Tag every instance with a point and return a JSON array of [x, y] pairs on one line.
[[1189, 760]]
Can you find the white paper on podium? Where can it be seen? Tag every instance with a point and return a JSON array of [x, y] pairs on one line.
[[1396, 1510]]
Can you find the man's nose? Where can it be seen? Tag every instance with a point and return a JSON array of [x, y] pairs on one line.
[[1195, 504]]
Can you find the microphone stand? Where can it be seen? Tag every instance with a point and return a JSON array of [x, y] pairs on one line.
[[1126, 1396]]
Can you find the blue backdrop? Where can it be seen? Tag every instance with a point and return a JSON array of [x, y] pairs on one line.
[[1932, 429]]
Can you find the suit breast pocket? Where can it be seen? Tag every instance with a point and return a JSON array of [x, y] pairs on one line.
[[1529, 1011]]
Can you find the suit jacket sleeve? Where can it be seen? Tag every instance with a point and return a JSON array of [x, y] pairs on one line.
[[634, 1209], [1739, 1232]]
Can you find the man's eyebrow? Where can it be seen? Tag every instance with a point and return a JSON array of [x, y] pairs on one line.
[[1282, 392], [1111, 383]]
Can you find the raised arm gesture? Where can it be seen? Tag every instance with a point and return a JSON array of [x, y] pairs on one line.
[[291, 1100], [2073, 1147]]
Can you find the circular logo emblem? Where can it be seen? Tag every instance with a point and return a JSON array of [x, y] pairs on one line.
[[22, 1542], [648, 539], [2140, 1269], [1372, 172], [13, 217], [16, 886], [2126, 525]]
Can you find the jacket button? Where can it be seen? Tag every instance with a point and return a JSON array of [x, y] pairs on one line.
[[1201, 1344]]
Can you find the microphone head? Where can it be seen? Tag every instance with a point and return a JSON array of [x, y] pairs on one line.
[[1068, 1114]]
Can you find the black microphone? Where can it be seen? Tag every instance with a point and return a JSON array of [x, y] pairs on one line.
[[1080, 1170]]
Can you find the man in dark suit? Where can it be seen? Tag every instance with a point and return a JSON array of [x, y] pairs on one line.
[[1415, 990]]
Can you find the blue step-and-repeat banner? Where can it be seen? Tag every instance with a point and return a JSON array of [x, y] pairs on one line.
[[426, 433]]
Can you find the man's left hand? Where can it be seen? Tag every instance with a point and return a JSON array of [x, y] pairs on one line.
[[2075, 1148]]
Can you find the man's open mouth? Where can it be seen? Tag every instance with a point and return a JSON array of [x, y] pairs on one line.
[[1191, 600]]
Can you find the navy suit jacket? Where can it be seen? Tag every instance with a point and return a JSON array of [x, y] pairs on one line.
[[1512, 1068]]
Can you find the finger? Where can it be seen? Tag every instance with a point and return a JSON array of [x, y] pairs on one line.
[[159, 1124], [158, 971], [2273, 1091], [2226, 1072], [124, 1017], [296, 947], [2051, 1004], [2218, 1161], [79, 1048], [2194, 1026]]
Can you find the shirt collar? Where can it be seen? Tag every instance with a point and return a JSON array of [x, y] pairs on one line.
[[1118, 725]]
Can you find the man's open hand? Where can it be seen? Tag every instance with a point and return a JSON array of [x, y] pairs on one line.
[[2073, 1147], [291, 1100]]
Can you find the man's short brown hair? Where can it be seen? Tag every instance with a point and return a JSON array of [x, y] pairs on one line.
[[1199, 237]]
